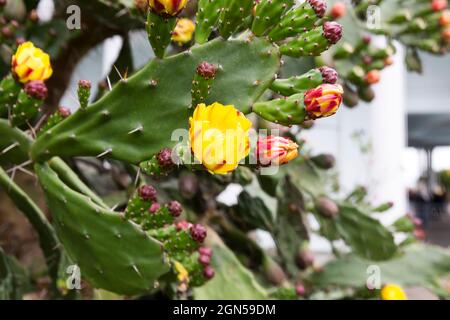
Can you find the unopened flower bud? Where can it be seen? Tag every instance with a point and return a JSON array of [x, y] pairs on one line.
[[329, 75], [209, 273], [164, 158], [324, 161], [175, 208], [205, 251], [206, 70], [305, 259], [338, 10], [323, 101], [319, 6], [198, 233], [446, 35], [332, 31], [36, 89], [300, 290], [183, 225], [372, 77], [273, 150], [204, 260], [444, 19], [438, 5], [64, 112], [327, 207], [147, 193], [154, 207]]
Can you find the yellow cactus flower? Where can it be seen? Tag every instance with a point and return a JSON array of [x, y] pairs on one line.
[[167, 7], [182, 273], [31, 63], [183, 31], [393, 292], [219, 137]]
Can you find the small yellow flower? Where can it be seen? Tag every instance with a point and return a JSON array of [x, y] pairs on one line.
[[393, 292], [182, 273], [183, 31], [31, 63], [219, 137], [167, 7]]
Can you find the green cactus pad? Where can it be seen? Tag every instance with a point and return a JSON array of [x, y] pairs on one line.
[[159, 30], [9, 89], [207, 18], [310, 43], [418, 265], [285, 111], [294, 85], [26, 108], [294, 22], [112, 253], [137, 118], [375, 243], [14, 145], [268, 12], [233, 15]]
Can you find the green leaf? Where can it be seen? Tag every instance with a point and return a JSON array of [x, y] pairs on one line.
[[112, 253]]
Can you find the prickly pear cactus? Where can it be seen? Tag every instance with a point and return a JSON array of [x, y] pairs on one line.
[[137, 118]]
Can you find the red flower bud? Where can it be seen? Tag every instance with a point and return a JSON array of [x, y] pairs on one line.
[[274, 150], [198, 233], [209, 273], [175, 208], [438, 5], [204, 260], [36, 89], [206, 70], [319, 6], [300, 290], [323, 101], [183, 225], [147, 193], [372, 77], [64, 112], [164, 158], [332, 31], [205, 251], [154, 207], [329, 75], [85, 84], [338, 10], [367, 39]]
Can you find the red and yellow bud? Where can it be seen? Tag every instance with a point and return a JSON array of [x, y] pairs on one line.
[[393, 292], [444, 19], [372, 77], [183, 31], [323, 101], [274, 150], [219, 137], [167, 7], [30, 63]]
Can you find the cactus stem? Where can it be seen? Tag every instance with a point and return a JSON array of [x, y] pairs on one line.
[[9, 148], [104, 153]]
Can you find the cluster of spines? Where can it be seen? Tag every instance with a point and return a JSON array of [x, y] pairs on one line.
[[180, 239]]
